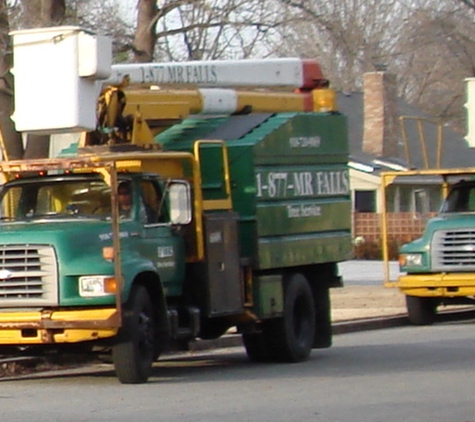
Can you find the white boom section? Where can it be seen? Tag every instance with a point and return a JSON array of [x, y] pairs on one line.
[[284, 72], [218, 101], [60, 71]]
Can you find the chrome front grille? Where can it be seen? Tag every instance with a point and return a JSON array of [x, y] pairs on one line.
[[28, 276], [453, 250]]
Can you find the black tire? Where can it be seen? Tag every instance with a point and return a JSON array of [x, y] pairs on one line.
[[291, 337], [257, 347], [421, 310], [134, 352]]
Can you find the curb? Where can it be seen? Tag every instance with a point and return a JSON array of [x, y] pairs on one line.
[[369, 324]]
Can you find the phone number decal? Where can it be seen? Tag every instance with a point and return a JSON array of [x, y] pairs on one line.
[[283, 184]]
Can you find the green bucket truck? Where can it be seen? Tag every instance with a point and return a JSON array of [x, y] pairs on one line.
[[237, 215]]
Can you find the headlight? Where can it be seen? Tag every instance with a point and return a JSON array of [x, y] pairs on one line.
[[410, 260], [97, 285]]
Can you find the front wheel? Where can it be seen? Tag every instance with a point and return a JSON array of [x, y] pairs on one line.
[[134, 353], [291, 337], [421, 310]]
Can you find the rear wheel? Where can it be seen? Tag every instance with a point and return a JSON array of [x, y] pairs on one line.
[[134, 353], [421, 310], [291, 337]]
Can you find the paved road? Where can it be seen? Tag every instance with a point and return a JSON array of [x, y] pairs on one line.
[[366, 273], [410, 374]]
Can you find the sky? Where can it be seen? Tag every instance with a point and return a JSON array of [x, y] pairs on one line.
[[128, 9]]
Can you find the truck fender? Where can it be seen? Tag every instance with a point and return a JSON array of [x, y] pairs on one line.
[[154, 288]]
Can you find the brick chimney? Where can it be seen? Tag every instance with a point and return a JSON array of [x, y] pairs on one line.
[[380, 125]]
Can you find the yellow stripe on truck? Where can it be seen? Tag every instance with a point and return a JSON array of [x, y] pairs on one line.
[[438, 285], [44, 327]]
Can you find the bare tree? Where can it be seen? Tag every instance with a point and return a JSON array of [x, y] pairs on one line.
[[10, 139], [204, 29], [468, 3], [145, 35], [41, 13], [439, 53], [103, 17], [348, 37], [429, 45]]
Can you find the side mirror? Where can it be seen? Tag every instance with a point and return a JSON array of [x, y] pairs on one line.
[[180, 203]]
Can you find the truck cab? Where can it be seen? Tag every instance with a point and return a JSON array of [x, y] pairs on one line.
[[73, 213], [71, 258], [439, 267]]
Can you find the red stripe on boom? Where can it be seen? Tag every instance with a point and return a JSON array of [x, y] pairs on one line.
[[311, 73]]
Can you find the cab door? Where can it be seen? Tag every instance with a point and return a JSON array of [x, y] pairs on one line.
[[162, 245]]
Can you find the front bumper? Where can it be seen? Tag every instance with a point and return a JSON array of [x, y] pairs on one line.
[[438, 285], [57, 326]]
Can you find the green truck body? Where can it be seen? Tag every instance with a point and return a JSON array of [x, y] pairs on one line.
[[290, 183]]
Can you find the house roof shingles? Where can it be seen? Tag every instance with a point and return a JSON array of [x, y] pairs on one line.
[[455, 151]]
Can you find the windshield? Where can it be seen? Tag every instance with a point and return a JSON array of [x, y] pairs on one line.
[[460, 199], [55, 197]]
